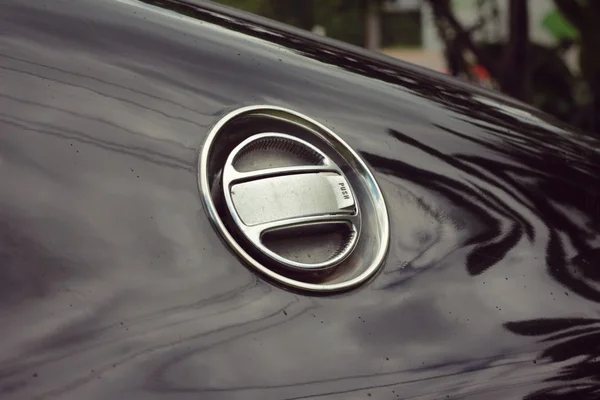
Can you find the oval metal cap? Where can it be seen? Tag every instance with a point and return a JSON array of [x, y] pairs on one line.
[[300, 198], [292, 200]]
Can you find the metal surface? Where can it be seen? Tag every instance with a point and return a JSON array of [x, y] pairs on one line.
[[290, 196], [114, 284], [359, 255], [270, 199]]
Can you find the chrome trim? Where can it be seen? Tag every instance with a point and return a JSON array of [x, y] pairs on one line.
[[381, 224]]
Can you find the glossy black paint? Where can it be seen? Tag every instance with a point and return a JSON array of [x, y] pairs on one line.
[[114, 285]]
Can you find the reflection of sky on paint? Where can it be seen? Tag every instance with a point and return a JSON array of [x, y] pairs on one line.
[[293, 60], [176, 21], [520, 113], [343, 91]]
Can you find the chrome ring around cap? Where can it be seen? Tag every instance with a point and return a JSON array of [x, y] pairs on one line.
[[368, 252]]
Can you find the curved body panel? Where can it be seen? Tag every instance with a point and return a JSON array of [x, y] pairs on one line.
[[113, 283]]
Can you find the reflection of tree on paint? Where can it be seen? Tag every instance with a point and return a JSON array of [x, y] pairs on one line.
[[572, 340], [530, 182]]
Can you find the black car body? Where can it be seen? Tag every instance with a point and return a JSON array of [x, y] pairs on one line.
[[114, 284]]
